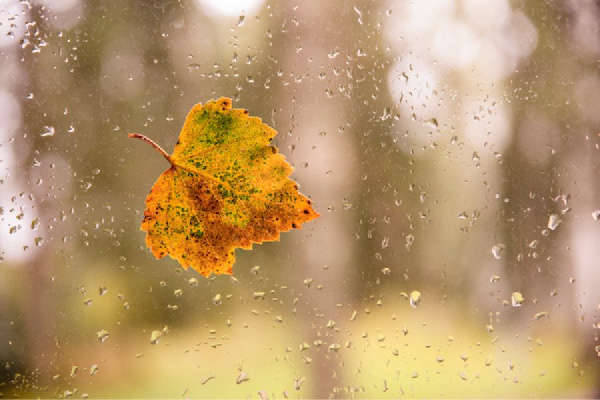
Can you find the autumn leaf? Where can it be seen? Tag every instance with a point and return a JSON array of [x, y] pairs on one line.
[[226, 188]]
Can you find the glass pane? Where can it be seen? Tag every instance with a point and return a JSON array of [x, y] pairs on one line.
[[452, 148]]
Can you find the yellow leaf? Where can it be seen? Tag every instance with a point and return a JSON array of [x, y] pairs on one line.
[[227, 188]]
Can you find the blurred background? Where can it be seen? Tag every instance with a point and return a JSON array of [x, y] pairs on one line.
[[451, 146]]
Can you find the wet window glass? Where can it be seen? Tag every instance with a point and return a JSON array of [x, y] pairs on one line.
[[452, 148]]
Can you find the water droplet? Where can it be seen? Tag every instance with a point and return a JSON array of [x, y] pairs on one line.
[[35, 223], [298, 382], [258, 295], [156, 336], [304, 346], [432, 123], [516, 299], [554, 221], [385, 242], [241, 20], [47, 131], [497, 250], [410, 239], [178, 292], [494, 279], [102, 335], [541, 314], [415, 298], [387, 113], [242, 377], [334, 53], [217, 299], [193, 282], [596, 215], [94, 369], [38, 241]]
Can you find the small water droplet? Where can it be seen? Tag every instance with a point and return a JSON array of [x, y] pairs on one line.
[[47, 131], [541, 314], [259, 295], [217, 301], [298, 382], [516, 299], [102, 335], [415, 298], [38, 241], [554, 221], [94, 369], [432, 123], [596, 215], [494, 279], [241, 20], [410, 239], [497, 250], [385, 242], [387, 113], [178, 292], [155, 336], [242, 377]]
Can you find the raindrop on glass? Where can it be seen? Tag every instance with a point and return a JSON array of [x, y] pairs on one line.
[[497, 250], [554, 221]]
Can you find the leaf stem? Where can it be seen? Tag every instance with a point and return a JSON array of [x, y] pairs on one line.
[[153, 144]]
